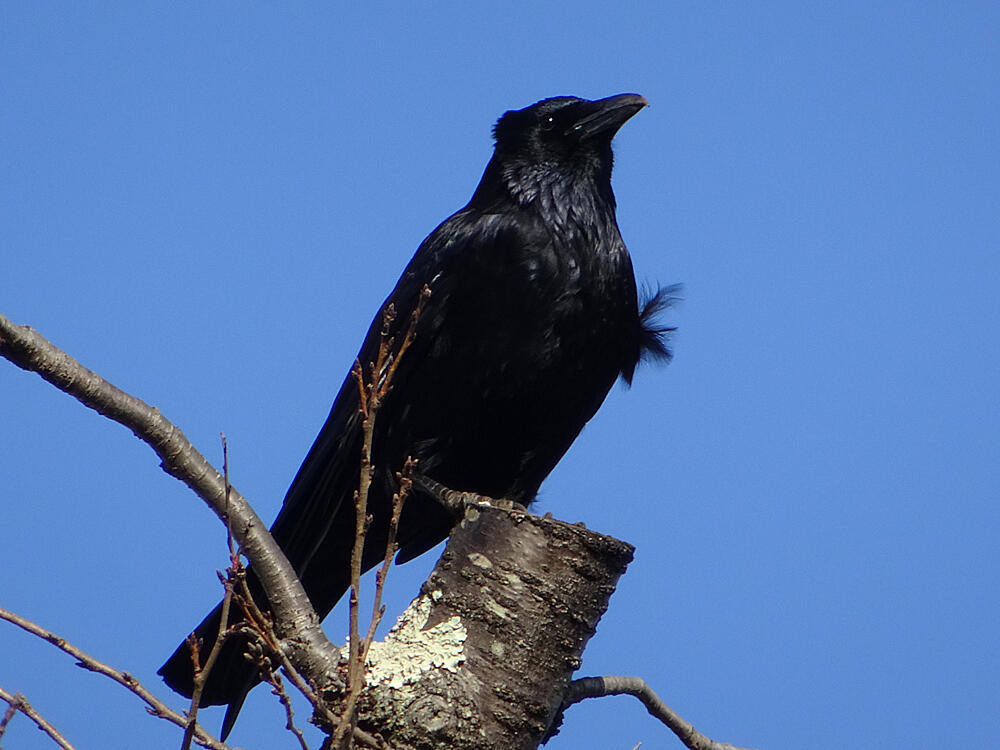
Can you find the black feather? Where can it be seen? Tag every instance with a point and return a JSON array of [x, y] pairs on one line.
[[654, 338]]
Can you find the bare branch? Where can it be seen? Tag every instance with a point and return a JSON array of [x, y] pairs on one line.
[[8, 714], [297, 621], [235, 570], [411, 333], [278, 688], [17, 702], [599, 687], [372, 394], [153, 704], [405, 484], [265, 637]]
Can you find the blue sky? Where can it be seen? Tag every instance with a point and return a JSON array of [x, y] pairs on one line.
[[206, 203]]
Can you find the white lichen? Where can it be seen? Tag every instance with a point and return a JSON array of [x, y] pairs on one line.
[[480, 560], [409, 651]]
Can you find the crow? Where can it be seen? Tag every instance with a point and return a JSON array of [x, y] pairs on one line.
[[532, 315]]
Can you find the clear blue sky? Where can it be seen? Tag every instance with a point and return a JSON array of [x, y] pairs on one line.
[[206, 203]]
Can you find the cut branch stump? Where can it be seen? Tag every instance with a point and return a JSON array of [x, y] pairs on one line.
[[482, 656]]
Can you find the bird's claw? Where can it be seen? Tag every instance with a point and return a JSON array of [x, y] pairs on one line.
[[456, 501]]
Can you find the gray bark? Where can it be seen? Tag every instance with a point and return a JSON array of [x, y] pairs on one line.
[[482, 657]]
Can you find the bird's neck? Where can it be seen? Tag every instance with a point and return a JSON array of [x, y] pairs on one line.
[[576, 195]]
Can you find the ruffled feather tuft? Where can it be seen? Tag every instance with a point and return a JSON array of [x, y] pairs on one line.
[[654, 338]]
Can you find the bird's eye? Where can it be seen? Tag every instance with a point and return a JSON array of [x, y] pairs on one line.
[[548, 123]]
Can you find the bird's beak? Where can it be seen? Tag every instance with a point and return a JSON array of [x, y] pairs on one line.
[[605, 116]]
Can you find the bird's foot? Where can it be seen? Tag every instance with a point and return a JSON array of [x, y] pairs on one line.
[[456, 501]]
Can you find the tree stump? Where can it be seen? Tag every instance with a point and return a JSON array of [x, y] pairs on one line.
[[481, 658]]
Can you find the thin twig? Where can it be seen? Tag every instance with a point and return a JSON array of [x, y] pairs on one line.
[[378, 610], [599, 687], [266, 637], [202, 671], [355, 667], [154, 705], [17, 702], [303, 687], [8, 714], [372, 394], [411, 333], [278, 689]]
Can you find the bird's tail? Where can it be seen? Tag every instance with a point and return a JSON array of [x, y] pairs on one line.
[[232, 675]]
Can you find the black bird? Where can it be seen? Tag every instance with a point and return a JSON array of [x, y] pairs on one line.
[[532, 316]]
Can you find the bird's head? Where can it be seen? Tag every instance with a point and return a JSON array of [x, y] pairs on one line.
[[562, 138]]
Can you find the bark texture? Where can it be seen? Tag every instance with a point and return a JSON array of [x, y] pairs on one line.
[[481, 659]]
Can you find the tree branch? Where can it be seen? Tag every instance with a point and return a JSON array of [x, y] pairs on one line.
[[18, 702], [372, 394], [154, 705], [296, 620], [599, 687], [278, 689], [234, 572]]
